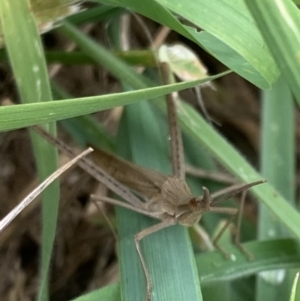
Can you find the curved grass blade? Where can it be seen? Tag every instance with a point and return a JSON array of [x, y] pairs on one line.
[[38, 190], [295, 293], [271, 254], [13, 117], [21, 34], [85, 130]]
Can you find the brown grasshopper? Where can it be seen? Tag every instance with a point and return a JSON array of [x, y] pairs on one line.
[[166, 198]]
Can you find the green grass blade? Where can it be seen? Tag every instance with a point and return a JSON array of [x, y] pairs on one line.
[[229, 22], [13, 117], [295, 293], [23, 41], [171, 264], [168, 253], [279, 24], [272, 254], [110, 292], [278, 166], [85, 130]]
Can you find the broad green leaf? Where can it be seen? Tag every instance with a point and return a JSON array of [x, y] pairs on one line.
[[227, 26]]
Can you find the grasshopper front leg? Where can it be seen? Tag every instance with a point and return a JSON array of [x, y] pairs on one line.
[[138, 237]]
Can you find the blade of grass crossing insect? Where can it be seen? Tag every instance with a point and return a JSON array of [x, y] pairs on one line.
[[84, 129], [21, 34], [12, 117], [168, 252], [81, 106], [278, 166]]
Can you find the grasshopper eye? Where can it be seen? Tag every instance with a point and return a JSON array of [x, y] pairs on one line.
[[197, 204], [193, 202]]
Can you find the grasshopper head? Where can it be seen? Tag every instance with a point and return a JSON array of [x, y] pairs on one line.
[[191, 213]]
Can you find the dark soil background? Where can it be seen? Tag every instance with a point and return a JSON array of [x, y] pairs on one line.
[[84, 255]]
